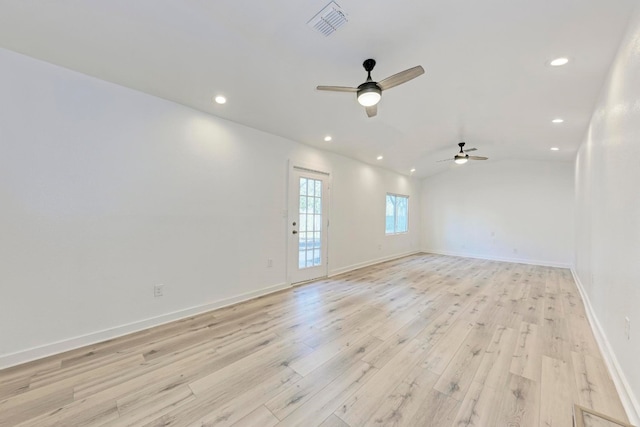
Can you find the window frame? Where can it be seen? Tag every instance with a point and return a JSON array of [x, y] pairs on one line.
[[395, 215]]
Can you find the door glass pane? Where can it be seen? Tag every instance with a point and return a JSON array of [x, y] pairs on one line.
[[303, 204], [303, 186], [310, 216], [310, 258]]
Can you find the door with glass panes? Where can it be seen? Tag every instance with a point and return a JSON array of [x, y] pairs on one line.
[[308, 224]]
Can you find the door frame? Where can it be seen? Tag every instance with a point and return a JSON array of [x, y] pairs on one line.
[[325, 172]]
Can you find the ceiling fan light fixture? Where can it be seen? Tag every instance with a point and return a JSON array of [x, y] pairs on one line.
[[461, 160], [559, 62], [369, 94]]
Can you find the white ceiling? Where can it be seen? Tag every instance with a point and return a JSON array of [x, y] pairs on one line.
[[486, 77]]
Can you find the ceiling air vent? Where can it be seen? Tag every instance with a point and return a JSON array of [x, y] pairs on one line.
[[328, 20]]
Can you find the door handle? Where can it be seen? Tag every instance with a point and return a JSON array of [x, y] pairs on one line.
[[294, 232]]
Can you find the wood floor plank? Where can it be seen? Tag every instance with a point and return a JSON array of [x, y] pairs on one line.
[[249, 370], [25, 406], [298, 394], [87, 412], [442, 410], [441, 354], [261, 417], [329, 400], [225, 412], [595, 386], [557, 392], [360, 406], [400, 404], [404, 405], [333, 421], [527, 358], [478, 408], [424, 340], [143, 407], [319, 356], [519, 403], [226, 405], [495, 366], [463, 365]]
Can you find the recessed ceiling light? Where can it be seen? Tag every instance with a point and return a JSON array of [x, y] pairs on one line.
[[557, 121], [220, 99], [328, 138], [559, 62], [379, 158], [555, 149], [412, 170]]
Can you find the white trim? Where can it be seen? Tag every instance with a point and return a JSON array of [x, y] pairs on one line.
[[543, 263], [62, 346], [629, 400], [303, 169], [368, 263]]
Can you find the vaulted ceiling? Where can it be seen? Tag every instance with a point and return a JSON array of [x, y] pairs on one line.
[[487, 80]]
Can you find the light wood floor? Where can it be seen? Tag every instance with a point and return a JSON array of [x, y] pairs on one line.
[[426, 340]]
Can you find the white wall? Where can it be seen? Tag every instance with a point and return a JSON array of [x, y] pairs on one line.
[[608, 211], [105, 191], [512, 210]]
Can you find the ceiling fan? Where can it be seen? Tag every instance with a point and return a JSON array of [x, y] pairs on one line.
[[370, 92], [462, 157]]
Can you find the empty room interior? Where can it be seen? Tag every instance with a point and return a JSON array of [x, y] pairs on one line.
[[320, 213]]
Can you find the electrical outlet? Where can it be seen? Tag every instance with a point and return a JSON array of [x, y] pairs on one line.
[[627, 327], [515, 250], [269, 263], [379, 247], [158, 290]]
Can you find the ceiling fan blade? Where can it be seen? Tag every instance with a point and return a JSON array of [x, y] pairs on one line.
[[372, 111], [445, 160], [470, 149], [478, 158], [338, 88], [401, 77]]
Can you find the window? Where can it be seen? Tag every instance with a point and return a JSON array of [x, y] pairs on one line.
[[397, 214]]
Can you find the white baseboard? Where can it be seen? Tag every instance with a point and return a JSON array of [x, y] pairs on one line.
[[629, 400], [497, 258], [39, 352], [352, 267]]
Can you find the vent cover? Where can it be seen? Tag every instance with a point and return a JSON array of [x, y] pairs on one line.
[[329, 19]]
